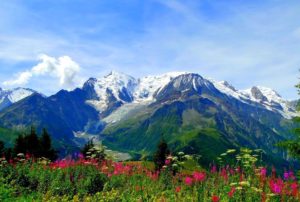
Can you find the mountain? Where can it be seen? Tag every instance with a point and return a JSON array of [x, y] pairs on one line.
[[194, 114], [9, 97], [61, 114], [259, 96]]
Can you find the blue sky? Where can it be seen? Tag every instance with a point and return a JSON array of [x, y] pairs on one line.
[[244, 42]]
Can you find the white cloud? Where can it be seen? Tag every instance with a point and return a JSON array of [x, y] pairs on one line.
[[62, 68], [22, 78]]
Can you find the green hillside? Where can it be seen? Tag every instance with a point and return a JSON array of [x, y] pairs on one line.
[[8, 136]]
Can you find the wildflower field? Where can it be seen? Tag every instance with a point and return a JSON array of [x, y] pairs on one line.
[[180, 179]]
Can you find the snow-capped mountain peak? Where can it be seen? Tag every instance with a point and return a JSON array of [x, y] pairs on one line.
[[114, 86], [119, 88], [149, 85], [8, 97]]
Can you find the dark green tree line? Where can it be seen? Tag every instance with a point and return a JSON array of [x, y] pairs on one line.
[[35, 146]]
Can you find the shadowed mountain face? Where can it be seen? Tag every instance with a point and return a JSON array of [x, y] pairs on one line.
[[61, 114], [193, 114]]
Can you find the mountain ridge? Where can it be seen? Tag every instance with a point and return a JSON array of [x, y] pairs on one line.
[[130, 114]]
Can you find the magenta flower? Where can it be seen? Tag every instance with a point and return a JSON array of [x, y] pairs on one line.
[[213, 169], [167, 162], [199, 176], [263, 172], [276, 186], [188, 181], [286, 175]]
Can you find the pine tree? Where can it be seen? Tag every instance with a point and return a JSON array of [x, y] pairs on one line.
[[2, 148], [161, 154], [89, 145], [32, 143], [20, 145], [46, 149], [35, 146], [8, 153], [45, 143]]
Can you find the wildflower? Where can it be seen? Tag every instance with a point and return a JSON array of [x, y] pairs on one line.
[[80, 156], [175, 158], [294, 187], [286, 175], [215, 198], [213, 169], [232, 191], [263, 172], [21, 155], [167, 161], [245, 183], [256, 189], [199, 176], [188, 181], [289, 175], [169, 157], [276, 186], [178, 189]]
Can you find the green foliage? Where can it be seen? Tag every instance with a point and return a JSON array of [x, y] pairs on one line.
[[26, 178], [160, 155], [8, 136]]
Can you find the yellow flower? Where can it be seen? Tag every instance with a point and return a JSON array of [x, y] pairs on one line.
[[245, 183]]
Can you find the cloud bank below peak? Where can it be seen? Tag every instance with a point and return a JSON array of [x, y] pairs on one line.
[[63, 68]]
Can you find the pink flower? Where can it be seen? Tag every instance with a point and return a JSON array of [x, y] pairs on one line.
[[80, 156], [291, 175], [276, 186], [263, 172], [199, 176], [213, 169], [188, 181], [232, 191], [167, 162]]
